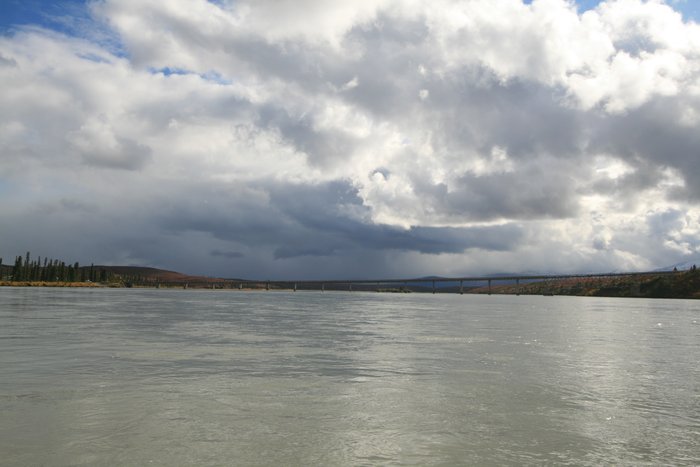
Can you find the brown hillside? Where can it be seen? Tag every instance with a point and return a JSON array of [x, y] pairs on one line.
[[682, 284], [154, 274]]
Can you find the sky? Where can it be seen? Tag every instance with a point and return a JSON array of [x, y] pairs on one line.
[[278, 139]]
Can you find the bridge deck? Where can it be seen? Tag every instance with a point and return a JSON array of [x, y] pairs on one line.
[[320, 283]]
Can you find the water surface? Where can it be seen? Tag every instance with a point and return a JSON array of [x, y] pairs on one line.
[[186, 377]]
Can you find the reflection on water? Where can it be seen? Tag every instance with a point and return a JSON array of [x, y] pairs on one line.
[[166, 377]]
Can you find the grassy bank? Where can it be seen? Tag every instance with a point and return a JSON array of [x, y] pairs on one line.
[[54, 284], [683, 284]]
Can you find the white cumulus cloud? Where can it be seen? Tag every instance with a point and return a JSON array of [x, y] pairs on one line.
[[387, 137]]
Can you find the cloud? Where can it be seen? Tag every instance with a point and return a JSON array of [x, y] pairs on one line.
[[280, 138], [98, 145], [7, 62], [227, 254], [318, 220]]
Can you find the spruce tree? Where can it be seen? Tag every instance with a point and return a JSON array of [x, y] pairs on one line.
[[27, 273], [17, 269]]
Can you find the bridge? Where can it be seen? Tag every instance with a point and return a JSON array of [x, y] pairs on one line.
[[429, 284]]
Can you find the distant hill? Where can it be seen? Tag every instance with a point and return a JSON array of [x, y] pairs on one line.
[[684, 266], [683, 284], [150, 274], [114, 276], [147, 274]]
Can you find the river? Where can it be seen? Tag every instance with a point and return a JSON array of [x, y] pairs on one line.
[[188, 377]]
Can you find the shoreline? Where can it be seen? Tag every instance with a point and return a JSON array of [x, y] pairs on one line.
[[679, 285], [57, 284], [116, 285], [525, 290]]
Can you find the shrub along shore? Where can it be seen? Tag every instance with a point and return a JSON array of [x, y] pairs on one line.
[[55, 284]]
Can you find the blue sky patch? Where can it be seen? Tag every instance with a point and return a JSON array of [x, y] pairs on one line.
[[51, 14]]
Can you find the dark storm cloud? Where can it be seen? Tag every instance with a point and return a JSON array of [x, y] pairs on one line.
[[67, 205], [227, 254], [324, 209], [430, 240], [321, 220], [235, 215]]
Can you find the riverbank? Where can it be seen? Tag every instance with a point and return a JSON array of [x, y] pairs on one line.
[[55, 284], [682, 284], [119, 285]]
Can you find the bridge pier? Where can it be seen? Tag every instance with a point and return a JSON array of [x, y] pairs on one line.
[[489, 286], [323, 287], [267, 285], [350, 287], [433, 286], [240, 286], [295, 286], [461, 288]]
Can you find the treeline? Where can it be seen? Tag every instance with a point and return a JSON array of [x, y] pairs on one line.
[[26, 269]]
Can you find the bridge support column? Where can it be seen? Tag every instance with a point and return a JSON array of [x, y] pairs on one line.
[[323, 287], [433, 286], [240, 286], [461, 288], [349, 287], [267, 285], [489, 286], [295, 286]]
